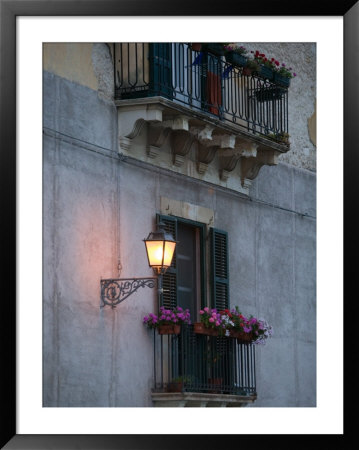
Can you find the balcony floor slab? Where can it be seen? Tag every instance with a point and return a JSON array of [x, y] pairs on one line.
[[193, 399]]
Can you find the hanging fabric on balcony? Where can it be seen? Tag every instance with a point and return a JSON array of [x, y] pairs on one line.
[[197, 61], [226, 72], [214, 95]]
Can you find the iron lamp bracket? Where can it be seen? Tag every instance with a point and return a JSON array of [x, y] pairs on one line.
[[116, 290]]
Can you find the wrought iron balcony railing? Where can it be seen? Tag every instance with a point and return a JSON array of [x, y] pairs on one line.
[[202, 82], [191, 362]]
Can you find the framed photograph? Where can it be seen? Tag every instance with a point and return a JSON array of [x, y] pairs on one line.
[[114, 130]]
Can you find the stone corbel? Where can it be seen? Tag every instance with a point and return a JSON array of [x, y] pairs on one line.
[[228, 155], [248, 149], [131, 120], [181, 139], [181, 145], [250, 166], [228, 161], [156, 137], [205, 155], [206, 149], [203, 134]]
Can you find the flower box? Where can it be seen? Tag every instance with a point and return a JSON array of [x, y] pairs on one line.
[[215, 49], [169, 329], [175, 386], [200, 328], [281, 80], [241, 336], [266, 72], [236, 59]]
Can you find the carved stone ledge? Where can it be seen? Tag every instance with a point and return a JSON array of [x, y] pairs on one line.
[[175, 129]]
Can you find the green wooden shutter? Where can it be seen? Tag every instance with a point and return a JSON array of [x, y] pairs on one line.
[[169, 296], [220, 270], [161, 69]]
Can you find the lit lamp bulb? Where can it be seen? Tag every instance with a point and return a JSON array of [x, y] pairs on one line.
[[160, 247]]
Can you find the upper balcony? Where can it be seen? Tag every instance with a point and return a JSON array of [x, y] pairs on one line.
[[231, 113]]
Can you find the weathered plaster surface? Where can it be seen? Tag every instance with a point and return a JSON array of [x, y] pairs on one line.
[[72, 61], [102, 62], [90, 65]]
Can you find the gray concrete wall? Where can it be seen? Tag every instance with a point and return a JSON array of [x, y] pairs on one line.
[[97, 210]]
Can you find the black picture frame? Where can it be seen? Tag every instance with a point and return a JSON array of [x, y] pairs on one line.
[[9, 10]]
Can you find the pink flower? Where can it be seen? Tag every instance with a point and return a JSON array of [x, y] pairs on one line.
[[211, 319]]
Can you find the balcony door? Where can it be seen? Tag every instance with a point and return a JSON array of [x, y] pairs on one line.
[[184, 282], [160, 55], [188, 268]]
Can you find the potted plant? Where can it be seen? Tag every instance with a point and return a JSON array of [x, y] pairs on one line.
[[282, 137], [236, 54], [215, 48], [248, 329], [215, 385], [177, 384], [236, 325], [168, 321], [210, 323], [267, 66], [251, 67], [282, 76]]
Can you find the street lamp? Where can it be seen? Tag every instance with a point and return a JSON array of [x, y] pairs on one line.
[[160, 247]]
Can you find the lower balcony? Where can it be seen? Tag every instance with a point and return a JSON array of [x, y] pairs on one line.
[[198, 370]]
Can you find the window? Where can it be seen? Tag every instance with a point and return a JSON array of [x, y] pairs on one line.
[[192, 274]]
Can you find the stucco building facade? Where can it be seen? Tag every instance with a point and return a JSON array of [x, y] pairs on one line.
[[113, 165]]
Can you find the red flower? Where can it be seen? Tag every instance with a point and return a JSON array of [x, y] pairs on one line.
[[241, 324], [276, 63]]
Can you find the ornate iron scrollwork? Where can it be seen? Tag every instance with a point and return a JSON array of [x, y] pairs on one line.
[[115, 291]]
